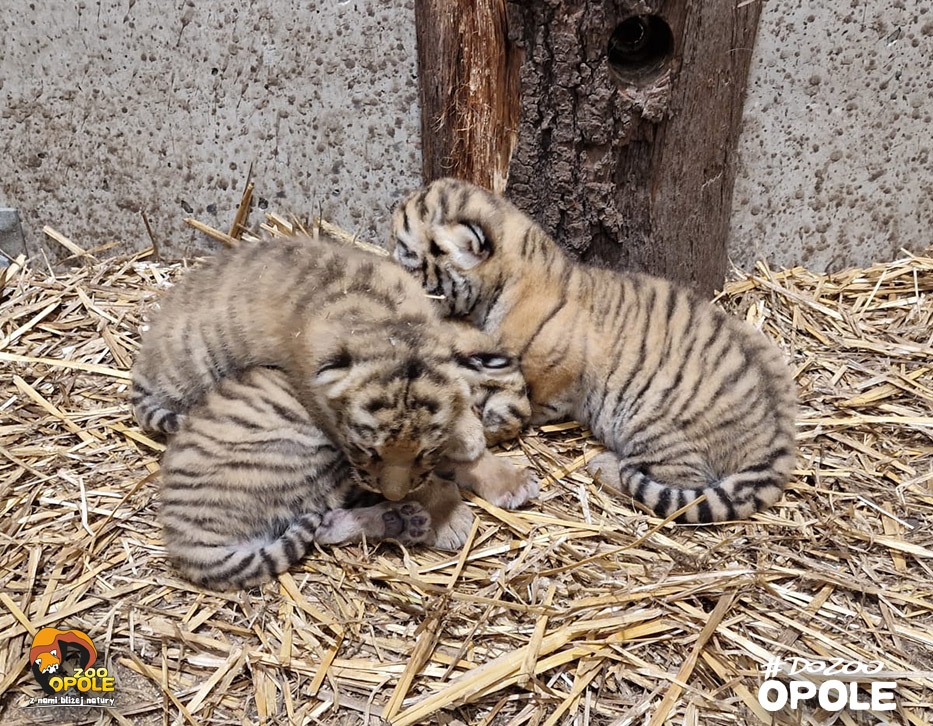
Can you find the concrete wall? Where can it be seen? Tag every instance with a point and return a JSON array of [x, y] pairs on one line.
[[108, 108], [112, 107], [835, 157]]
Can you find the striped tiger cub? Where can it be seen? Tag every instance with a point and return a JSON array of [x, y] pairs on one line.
[[249, 483], [361, 345], [688, 400]]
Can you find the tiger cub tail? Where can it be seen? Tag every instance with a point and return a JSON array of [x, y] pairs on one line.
[[735, 496], [150, 411]]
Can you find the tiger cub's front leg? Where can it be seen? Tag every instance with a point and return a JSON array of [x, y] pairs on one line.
[[451, 518], [500, 401], [494, 479], [498, 481]]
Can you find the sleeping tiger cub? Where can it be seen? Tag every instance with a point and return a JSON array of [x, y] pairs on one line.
[[362, 347], [688, 400], [249, 482]]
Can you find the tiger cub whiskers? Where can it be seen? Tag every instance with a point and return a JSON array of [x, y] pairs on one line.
[[694, 406]]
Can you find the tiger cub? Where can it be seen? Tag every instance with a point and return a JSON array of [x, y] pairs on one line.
[[688, 400], [249, 482], [362, 347]]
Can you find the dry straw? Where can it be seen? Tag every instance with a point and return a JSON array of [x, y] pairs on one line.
[[579, 609]]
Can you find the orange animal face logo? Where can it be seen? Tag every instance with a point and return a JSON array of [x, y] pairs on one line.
[[52, 647], [48, 662]]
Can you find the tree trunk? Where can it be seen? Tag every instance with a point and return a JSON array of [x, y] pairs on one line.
[[469, 90], [629, 113]]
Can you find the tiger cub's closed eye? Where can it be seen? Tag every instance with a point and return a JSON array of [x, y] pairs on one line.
[[493, 360], [338, 361]]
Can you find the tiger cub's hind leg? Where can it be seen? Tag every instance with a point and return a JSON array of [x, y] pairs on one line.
[[605, 467], [406, 522], [689, 471]]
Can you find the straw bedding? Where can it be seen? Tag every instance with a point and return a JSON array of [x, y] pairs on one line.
[[578, 609]]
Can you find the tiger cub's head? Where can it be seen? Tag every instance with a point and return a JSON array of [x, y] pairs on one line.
[[498, 391], [448, 235], [395, 400]]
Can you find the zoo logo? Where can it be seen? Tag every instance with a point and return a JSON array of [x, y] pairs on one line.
[[53, 649]]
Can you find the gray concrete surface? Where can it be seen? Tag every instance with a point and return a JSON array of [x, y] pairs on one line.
[[109, 108], [835, 155], [12, 240]]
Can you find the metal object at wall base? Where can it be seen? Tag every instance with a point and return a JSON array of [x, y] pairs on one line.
[[12, 239]]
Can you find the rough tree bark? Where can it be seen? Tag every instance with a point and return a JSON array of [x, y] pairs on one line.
[[469, 90], [628, 115]]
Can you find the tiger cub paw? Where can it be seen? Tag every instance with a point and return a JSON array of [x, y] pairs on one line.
[[605, 467], [454, 529], [525, 486], [498, 481], [406, 522], [499, 429]]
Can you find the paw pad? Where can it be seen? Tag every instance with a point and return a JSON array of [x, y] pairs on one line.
[[393, 523], [413, 523]]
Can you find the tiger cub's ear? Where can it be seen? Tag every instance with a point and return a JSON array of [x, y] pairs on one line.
[[465, 243]]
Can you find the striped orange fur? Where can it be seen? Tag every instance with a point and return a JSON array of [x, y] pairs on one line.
[[688, 400]]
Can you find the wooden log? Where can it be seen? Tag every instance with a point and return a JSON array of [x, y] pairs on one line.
[[469, 90], [629, 113]]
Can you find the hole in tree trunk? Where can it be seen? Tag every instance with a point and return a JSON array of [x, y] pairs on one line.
[[640, 48]]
